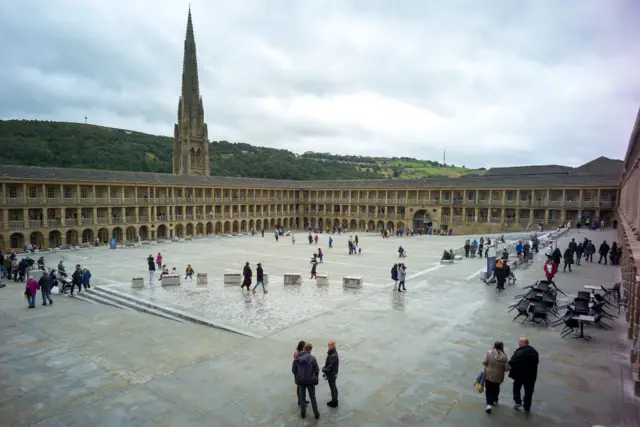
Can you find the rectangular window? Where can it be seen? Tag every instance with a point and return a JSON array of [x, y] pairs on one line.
[[569, 197], [496, 195], [113, 193], [127, 192], [33, 192], [509, 195], [523, 196], [538, 197], [586, 196], [13, 192], [67, 192], [51, 193], [83, 193]]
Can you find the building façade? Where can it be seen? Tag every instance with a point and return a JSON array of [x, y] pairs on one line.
[[50, 207]]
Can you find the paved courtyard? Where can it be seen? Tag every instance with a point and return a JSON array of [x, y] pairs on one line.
[[406, 358]]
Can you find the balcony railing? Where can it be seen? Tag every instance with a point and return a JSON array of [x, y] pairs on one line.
[[16, 224], [605, 204], [102, 221]]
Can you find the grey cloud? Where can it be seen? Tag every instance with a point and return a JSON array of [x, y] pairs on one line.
[[493, 82]]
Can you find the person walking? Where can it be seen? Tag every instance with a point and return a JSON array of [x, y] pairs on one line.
[[495, 363], [314, 264], [524, 372], [46, 283], [330, 372], [579, 252], [188, 272], [247, 273], [86, 278], [550, 269], [402, 276], [76, 280], [394, 276], [260, 279], [152, 267], [159, 260], [501, 275], [568, 259], [603, 251], [590, 250], [296, 353], [31, 288], [305, 370]]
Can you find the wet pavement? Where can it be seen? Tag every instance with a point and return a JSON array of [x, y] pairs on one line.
[[406, 358]]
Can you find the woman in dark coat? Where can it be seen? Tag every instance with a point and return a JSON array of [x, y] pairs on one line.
[[568, 259], [394, 276]]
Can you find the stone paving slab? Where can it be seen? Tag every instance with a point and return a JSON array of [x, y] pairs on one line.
[[407, 359]]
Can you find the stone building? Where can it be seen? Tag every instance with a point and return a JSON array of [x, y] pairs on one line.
[[50, 207], [629, 236]]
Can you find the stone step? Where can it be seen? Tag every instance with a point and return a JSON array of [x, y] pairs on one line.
[[95, 298], [175, 313], [120, 302]]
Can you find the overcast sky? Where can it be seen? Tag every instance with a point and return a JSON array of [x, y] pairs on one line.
[[493, 82]]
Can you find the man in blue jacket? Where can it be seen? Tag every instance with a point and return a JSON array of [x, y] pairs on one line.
[[305, 370]]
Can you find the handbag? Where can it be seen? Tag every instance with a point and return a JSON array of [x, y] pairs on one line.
[[479, 382]]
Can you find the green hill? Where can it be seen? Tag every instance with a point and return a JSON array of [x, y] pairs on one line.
[[77, 145]]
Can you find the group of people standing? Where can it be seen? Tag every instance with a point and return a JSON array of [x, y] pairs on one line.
[[574, 253], [306, 374]]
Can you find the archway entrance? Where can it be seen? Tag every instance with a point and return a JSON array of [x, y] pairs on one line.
[[72, 237], [17, 241], [131, 234], [37, 239], [87, 236], [421, 219], [103, 235]]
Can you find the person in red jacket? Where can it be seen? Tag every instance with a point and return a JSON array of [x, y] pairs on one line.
[[550, 269]]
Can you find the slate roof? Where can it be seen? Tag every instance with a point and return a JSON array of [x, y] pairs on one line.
[[601, 165], [560, 180], [529, 170]]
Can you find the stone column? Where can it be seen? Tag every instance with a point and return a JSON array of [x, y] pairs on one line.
[[79, 216], [63, 214], [24, 194], [3, 197], [94, 214], [25, 219], [45, 221], [109, 216]]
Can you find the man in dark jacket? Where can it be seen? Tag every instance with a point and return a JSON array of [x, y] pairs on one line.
[[330, 371], [22, 268], [524, 372], [500, 274], [247, 273], [76, 279], [259, 279], [305, 370], [603, 251], [46, 283]]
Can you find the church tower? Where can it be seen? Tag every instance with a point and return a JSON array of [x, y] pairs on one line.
[[190, 139]]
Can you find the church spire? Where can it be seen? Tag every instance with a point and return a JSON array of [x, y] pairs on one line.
[[191, 143], [190, 83]]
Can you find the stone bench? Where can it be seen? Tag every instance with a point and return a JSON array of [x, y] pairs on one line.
[[161, 241], [292, 279], [201, 279], [322, 279], [170, 280], [446, 261], [232, 278], [352, 282], [137, 283], [145, 243], [458, 257]]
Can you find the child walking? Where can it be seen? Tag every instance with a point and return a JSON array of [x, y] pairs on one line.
[[189, 272]]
